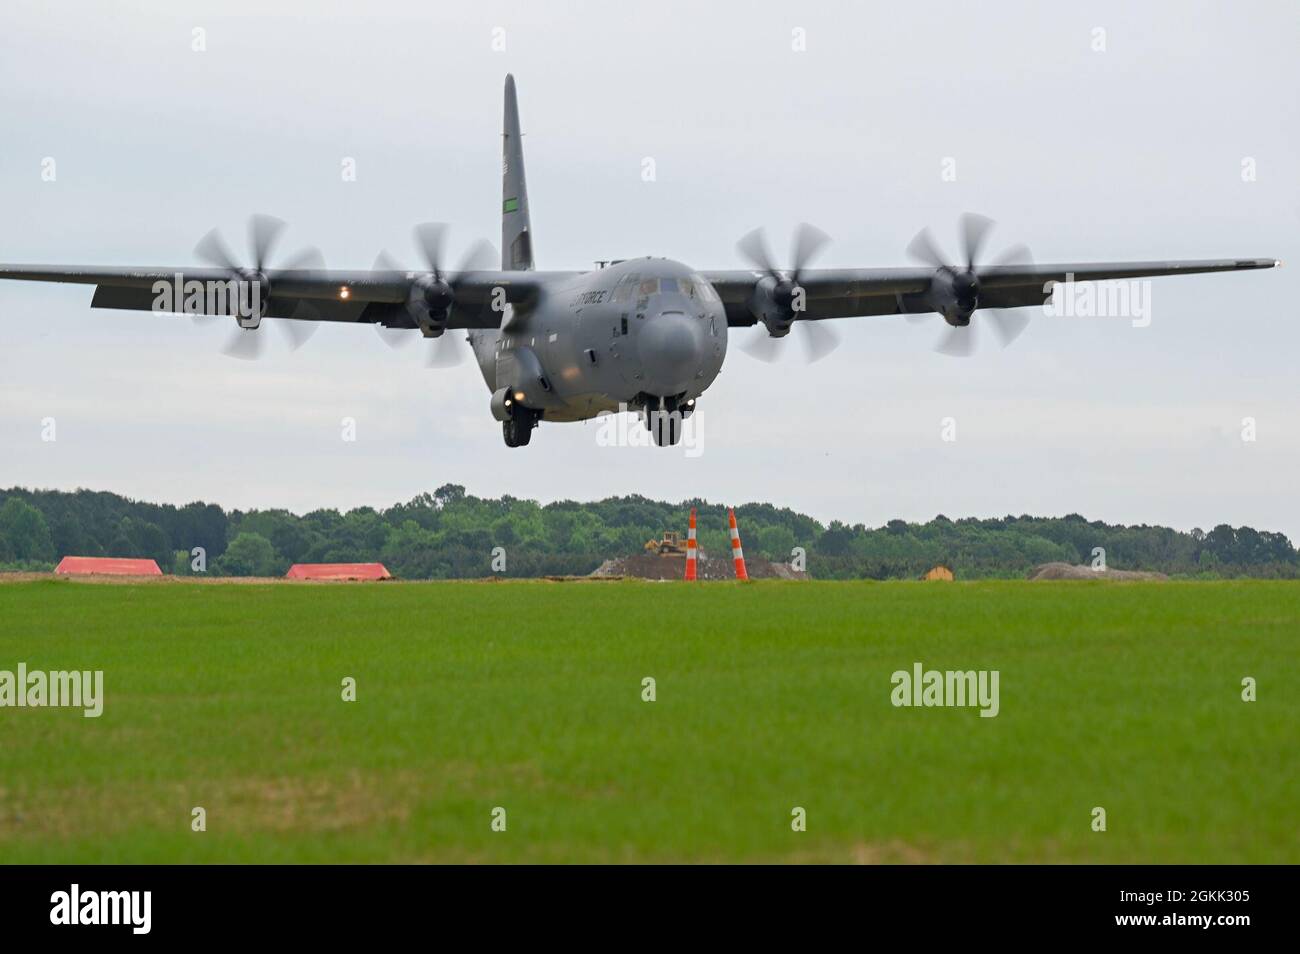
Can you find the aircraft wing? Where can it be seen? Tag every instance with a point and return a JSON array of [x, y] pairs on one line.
[[861, 292], [365, 296]]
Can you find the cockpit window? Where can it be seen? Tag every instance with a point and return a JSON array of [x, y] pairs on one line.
[[699, 290], [692, 287], [623, 290]]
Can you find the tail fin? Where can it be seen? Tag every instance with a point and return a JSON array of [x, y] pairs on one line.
[[516, 228]]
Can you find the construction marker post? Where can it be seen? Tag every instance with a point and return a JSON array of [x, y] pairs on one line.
[[737, 554], [690, 548]]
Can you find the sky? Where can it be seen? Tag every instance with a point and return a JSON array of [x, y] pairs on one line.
[[1097, 132]]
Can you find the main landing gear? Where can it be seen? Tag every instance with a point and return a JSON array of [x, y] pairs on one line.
[[518, 428]]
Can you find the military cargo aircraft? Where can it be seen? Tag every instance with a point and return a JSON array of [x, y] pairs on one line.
[[647, 334]]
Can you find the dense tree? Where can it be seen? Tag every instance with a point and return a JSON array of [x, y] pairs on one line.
[[451, 533], [202, 525], [25, 532], [250, 554], [68, 537]]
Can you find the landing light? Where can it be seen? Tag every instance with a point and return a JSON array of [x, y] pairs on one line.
[[345, 293], [519, 395]]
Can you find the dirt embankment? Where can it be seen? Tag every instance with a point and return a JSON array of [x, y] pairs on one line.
[[1071, 571], [651, 566]]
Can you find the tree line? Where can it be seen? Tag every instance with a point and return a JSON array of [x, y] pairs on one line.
[[450, 533]]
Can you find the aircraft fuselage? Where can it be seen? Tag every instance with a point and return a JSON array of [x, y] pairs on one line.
[[646, 332]]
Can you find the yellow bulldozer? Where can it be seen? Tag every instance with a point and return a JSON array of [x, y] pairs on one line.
[[670, 545]]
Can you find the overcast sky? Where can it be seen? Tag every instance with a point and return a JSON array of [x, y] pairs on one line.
[[1135, 152]]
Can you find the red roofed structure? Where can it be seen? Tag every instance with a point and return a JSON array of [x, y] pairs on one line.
[[338, 571], [106, 566]]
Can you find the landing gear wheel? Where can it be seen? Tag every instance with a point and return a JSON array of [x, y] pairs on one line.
[[666, 427], [518, 430]]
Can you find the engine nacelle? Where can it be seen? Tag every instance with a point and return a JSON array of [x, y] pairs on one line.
[[955, 296], [252, 298], [776, 304], [429, 303]]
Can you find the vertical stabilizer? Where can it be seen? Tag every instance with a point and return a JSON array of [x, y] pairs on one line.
[[516, 228]]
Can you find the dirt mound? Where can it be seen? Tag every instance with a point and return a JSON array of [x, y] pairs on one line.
[[1070, 571], [651, 566]]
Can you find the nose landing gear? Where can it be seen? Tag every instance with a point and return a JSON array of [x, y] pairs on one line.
[[664, 417]]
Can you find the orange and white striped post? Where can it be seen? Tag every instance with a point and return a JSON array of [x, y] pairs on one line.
[[690, 548], [737, 554]]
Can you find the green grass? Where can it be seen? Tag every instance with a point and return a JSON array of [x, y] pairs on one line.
[[770, 696]]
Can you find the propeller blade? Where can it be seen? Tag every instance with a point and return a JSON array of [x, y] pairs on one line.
[[818, 340], [808, 242], [430, 237], [1015, 255], [297, 332], [958, 342], [762, 346], [923, 249], [264, 232], [396, 337], [753, 249], [1007, 325], [974, 232], [299, 329], [480, 256], [213, 250], [245, 344], [444, 352], [385, 263], [308, 258]]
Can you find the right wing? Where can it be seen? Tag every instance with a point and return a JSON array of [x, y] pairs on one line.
[[373, 297]]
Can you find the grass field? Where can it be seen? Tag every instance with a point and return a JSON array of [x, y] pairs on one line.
[[770, 695]]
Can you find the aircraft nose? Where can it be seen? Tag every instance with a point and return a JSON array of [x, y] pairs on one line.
[[672, 346]]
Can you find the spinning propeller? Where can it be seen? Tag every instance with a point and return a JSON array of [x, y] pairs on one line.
[[781, 294], [264, 233], [957, 291], [432, 297]]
